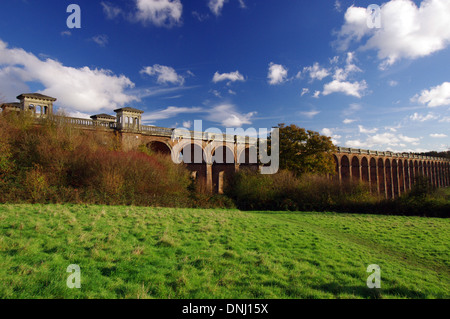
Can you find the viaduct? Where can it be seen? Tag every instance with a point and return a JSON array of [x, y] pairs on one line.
[[388, 174]]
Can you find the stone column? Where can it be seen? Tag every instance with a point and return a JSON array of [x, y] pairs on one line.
[[209, 181]]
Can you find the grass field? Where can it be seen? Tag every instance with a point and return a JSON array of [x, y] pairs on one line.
[[131, 252]]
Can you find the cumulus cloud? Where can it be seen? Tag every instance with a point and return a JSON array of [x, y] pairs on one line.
[[341, 84], [110, 10], [422, 118], [437, 135], [165, 13], [348, 121], [277, 74], [170, 112], [316, 72], [78, 89], [366, 131], [383, 141], [231, 77], [101, 39], [436, 96], [304, 91], [310, 114], [228, 116], [165, 74], [407, 31], [355, 89], [334, 137], [216, 6]]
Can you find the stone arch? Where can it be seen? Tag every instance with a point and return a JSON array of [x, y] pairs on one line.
[[373, 175], [248, 158], [221, 168], [159, 147], [247, 155], [382, 177], [356, 169], [365, 177], [389, 186], [420, 171], [407, 172], [194, 157], [395, 178], [401, 177], [345, 168]]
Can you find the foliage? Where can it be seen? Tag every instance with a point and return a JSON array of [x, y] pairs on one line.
[[304, 151], [285, 191]]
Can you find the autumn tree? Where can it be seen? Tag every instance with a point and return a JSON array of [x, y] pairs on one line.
[[304, 151]]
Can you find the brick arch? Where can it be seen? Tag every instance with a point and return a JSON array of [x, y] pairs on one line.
[[159, 147], [247, 155], [382, 176], [395, 178], [221, 168], [389, 184], [365, 177], [345, 168], [356, 168], [374, 185]]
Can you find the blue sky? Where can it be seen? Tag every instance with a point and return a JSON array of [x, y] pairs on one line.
[[242, 63]]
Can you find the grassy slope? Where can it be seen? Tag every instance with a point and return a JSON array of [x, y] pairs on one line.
[[129, 252]]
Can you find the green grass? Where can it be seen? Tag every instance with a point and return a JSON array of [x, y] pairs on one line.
[[131, 252]]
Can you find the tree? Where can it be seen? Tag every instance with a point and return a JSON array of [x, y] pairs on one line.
[[304, 151]]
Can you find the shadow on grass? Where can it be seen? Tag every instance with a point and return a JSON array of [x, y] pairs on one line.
[[367, 293]]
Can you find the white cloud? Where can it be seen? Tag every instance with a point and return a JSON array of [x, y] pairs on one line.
[[393, 83], [384, 141], [407, 31], [170, 112], [166, 74], [159, 12], [348, 121], [232, 77], [216, 6], [316, 72], [226, 115], [438, 135], [110, 10], [367, 131], [277, 73], [334, 137], [326, 131], [436, 96], [422, 118], [354, 144], [187, 124], [355, 89], [66, 33], [445, 119], [316, 94], [310, 114], [101, 39], [304, 91], [77, 89]]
